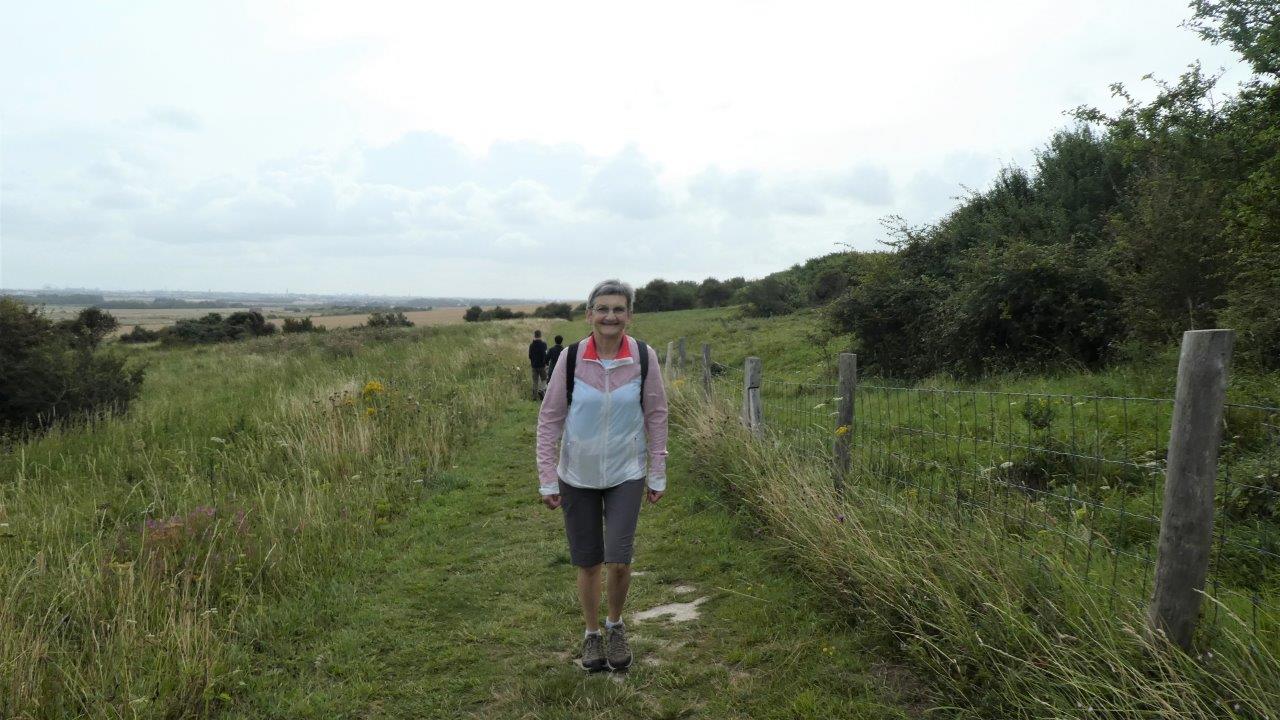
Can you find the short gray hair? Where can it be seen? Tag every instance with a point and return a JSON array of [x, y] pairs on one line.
[[613, 286]]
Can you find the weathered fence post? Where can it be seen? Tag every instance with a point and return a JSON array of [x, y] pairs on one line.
[[670, 363], [844, 415], [752, 411], [706, 370], [1186, 521], [680, 356]]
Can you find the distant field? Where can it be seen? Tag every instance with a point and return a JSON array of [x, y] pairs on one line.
[[438, 316], [155, 319]]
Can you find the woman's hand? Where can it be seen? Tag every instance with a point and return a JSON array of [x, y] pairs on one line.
[[551, 501], [655, 496]]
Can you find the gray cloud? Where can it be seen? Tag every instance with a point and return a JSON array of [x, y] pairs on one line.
[[627, 186], [536, 210], [174, 118], [867, 184]]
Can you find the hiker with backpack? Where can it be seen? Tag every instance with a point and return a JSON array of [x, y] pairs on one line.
[[601, 449], [538, 364], [553, 354]]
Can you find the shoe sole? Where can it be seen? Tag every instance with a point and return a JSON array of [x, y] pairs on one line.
[[604, 665], [620, 668]]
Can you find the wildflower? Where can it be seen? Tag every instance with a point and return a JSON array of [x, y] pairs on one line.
[[842, 431], [373, 387], [370, 411]]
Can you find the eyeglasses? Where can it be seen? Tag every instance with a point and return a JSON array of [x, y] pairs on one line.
[[602, 310]]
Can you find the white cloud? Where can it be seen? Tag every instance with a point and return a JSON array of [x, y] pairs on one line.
[[486, 145]]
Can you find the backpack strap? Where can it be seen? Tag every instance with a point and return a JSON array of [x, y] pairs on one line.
[[644, 368], [571, 364]]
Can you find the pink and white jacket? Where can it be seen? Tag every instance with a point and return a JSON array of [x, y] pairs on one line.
[[603, 438]]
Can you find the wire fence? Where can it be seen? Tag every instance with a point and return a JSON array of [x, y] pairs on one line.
[[1077, 477]]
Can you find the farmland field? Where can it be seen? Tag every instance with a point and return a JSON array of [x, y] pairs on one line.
[[322, 317], [435, 316]]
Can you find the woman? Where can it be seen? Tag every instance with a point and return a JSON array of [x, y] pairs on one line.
[[606, 412]]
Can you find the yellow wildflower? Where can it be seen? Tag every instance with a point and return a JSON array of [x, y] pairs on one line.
[[842, 430], [373, 387], [370, 411]]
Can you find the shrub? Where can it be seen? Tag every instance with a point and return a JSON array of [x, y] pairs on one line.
[[773, 295], [388, 319], [554, 310], [502, 313], [301, 325], [473, 314], [140, 334], [51, 372], [213, 328]]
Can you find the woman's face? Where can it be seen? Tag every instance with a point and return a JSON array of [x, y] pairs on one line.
[[609, 315]]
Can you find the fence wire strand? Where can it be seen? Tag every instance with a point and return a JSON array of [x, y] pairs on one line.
[[1075, 479]]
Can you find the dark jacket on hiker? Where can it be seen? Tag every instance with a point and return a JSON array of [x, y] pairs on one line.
[[553, 354], [538, 353]]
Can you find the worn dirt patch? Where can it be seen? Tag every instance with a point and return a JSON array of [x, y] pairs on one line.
[[678, 612]]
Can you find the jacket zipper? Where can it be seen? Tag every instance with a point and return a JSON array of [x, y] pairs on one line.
[[608, 417]]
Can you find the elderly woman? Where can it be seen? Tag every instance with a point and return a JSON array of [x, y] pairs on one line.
[[605, 411]]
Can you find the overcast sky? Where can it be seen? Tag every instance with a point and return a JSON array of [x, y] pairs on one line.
[[523, 149]]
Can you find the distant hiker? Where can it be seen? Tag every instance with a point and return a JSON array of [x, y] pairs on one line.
[[553, 354], [538, 363], [602, 437]]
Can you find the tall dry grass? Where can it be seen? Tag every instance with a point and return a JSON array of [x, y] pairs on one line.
[[993, 623], [133, 551]]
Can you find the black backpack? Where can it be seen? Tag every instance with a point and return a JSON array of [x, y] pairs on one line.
[[571, 363]]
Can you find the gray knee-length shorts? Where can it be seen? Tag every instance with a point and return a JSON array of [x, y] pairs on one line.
[[601, 524]]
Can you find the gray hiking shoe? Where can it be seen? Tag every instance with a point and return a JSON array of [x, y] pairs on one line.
[[617, 649], [593, 653]]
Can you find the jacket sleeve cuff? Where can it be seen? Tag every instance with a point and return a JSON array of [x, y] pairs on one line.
[[657, 483], [545, 490]]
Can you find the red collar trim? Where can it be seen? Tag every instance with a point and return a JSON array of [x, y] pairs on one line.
[[624, 350]]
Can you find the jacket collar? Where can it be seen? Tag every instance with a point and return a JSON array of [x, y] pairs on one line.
[[624, 350]]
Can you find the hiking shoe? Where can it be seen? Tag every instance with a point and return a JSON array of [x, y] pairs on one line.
[[593, 653], [618, 650]]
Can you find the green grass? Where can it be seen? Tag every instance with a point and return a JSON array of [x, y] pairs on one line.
[[465, 607], [131, 550], [262, 537]]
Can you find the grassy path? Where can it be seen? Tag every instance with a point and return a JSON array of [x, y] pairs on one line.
[[465, 608]]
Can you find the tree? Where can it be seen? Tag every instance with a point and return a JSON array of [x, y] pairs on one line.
[[49, 372], [91, 326], [473, 314], [712, 293], [1250, 27], [654, 297]]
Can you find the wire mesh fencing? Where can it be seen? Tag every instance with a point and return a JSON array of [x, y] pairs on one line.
[[1075, 477]]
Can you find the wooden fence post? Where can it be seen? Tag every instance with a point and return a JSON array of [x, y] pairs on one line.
[[752, 411], [1186, 520], [848, 364], [680, 356], [706, 370], [671, 362]]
